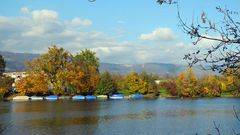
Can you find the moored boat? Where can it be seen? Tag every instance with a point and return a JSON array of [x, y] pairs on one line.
[[90, 97], [21, 98], [78, 97], [136, 96], [36, 98], [64, 97], [51, 97], [116, 96], [102, 97]]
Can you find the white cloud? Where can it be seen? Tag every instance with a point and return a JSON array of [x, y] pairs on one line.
[[158, 34], [40, 15], [35, 30], [78, 22]]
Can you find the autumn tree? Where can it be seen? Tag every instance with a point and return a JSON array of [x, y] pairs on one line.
[[135, 84], [232, 81], [74, 79], [170, 86], [210, 86], [81, 82], [187, 84], [180, 83], [53, 64], [149, 79], [106, 86], [5, 85], [87, 64], [119, 80], [34, 84]]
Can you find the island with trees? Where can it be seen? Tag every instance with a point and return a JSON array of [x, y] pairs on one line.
[[58, 72]]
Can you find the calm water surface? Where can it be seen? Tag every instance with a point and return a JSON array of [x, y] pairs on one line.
[[119, 117]]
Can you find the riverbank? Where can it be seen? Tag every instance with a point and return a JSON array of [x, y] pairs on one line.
[[10, 98]]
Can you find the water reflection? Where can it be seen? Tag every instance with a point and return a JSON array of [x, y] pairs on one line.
[[58, 121], [54, 106], [117, 117], [1, 128]]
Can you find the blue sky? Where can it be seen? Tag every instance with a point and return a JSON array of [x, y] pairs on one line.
[[120, 31]]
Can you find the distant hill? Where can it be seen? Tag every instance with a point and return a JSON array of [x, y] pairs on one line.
[[155, 68], [16, 62]]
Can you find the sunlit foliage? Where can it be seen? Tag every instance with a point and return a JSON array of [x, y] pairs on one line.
[[33, 84]]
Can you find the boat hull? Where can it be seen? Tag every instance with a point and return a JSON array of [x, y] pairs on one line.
[[78, 97], [116, 96], [51, 97], [21, 98], [36, 98], [90, 97], [137, 96], [102, 97]]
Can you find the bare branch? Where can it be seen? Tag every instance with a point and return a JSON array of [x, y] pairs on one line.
[[217, 127], [235, 114], [222, 55]]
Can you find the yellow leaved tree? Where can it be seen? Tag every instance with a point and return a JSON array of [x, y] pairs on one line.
[[135, 84], [32, 84]]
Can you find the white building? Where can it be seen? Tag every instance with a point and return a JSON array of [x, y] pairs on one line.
[[16, 76]]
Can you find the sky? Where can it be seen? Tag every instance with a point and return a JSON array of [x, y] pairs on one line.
[[119, 31]]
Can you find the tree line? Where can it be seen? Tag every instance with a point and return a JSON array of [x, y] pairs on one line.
[[59, 72]]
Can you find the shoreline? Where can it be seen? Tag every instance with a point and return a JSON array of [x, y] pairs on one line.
[[10, 98]]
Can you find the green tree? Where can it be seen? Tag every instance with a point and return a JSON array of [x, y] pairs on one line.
[[2, 65], [106, 86], [5, 82], [87, 57]]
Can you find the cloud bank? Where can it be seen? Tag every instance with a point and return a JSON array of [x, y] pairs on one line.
[[35, 30]]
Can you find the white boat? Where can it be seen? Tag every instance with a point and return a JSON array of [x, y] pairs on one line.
[[78, 97], [102, 97], [116, 96], [21, 98], [36, 98], [64, 97]]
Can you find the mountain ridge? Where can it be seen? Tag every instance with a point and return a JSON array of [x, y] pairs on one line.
[[16, 62]]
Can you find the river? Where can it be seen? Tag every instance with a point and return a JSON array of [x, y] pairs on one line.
[[120, 117]]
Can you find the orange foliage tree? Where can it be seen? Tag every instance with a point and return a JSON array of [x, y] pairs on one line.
[[52, 64], [85, 75], [32, 84]]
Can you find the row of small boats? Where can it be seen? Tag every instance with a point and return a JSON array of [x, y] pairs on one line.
[[77, 97]]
